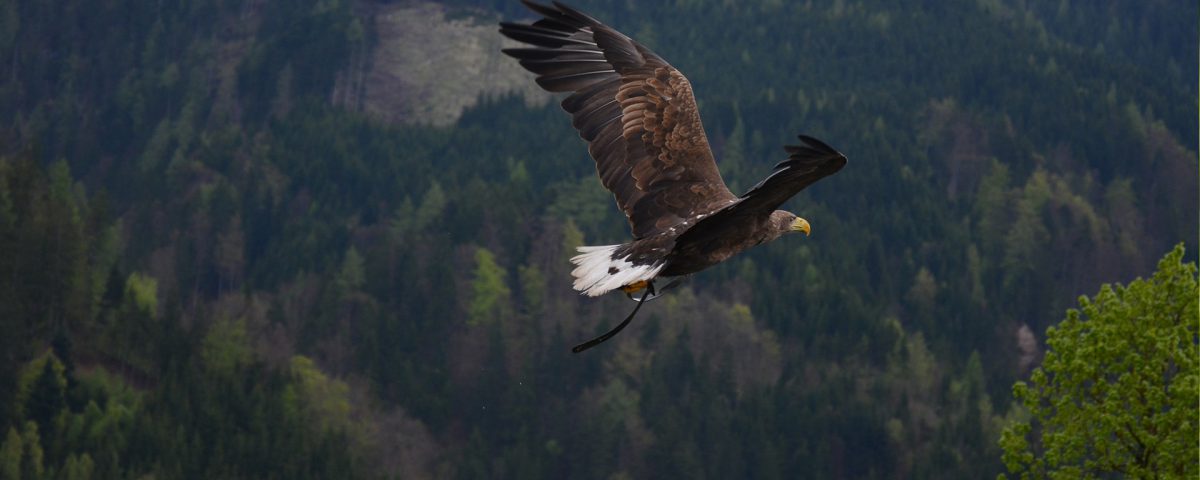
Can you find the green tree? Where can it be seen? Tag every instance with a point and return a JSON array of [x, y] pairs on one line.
[[225, 347], [992, 207], [489, 292], [10, 456], [432, 206], [78, 467], [31, 463], [47, 395], [314, 395], [533, 288], [41, 389], [351, 276], [1117, 391], [65, 261], [1027, 235], [131, 335]]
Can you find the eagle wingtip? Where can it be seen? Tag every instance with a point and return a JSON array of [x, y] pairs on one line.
[[813, 142], [812, 147]]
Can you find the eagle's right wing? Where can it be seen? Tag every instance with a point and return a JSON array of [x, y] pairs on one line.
[[806, 164]]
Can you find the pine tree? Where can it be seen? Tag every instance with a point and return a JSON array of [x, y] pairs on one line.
[[47, 396], [10, 456], [32, 465]]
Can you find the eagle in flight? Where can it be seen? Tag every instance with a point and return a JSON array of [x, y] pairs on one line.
[[643, 129]]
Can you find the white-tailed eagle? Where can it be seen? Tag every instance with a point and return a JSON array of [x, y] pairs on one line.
[[643, 129]]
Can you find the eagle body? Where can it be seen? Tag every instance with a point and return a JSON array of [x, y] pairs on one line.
[[707, 247], [642, 125]]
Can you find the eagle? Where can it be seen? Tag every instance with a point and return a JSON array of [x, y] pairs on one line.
[[642, 126]]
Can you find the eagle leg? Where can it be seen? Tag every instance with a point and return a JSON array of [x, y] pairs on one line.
[[636, 287], [655, 293], [601, 339]]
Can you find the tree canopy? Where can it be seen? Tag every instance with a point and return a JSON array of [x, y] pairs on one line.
[[205, 223], [1118, 389]]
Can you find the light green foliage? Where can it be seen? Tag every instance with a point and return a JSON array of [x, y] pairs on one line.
[[10, 456], [97, 426], [47, 399], [41, 380], [351, 276], [106, 249], [923, 370], [432, 205], [975, 276], [32, 465], [992, 206], [618, 403], [226, 346], [572, 238], [1117, 392], [584, 201], [130, 335], [533, 289], [244, 149], [1120, 203], [155, 150], [67, 446], [924, 290], [78, 467], [61, 191], [143, 291], [1133, 114], [518, 175], [489, 291], [1026, 237], [317, 397]]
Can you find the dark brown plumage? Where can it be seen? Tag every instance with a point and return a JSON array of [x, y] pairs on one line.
[[643, 128]]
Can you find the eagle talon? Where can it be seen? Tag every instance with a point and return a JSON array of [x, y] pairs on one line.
[[635, 287]]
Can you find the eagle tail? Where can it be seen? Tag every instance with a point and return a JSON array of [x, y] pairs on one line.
[[601, 269]]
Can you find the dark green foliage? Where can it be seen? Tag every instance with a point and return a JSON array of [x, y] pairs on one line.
[[241, 275], [47, 397]]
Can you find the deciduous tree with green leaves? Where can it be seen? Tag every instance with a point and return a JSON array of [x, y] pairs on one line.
[[1117, 392], [489, 293]]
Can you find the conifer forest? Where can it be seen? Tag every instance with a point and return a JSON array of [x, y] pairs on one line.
[[300, 239]]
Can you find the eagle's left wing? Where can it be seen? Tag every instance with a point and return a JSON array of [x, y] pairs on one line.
[[635, 110]]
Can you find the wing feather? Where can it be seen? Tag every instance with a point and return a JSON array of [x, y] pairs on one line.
[[636, 111], [569, 82], [805, 165]]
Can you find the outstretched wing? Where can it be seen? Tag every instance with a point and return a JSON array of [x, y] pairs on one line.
[[635, 110], [805, 165]]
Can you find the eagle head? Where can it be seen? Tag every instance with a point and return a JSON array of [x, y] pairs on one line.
[[787, 222]]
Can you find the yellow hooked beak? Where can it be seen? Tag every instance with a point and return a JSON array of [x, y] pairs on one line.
[[801, 225]]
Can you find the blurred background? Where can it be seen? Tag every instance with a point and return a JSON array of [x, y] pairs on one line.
[[329, 238]]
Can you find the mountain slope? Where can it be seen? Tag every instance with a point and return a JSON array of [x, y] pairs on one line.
[[254, 239]]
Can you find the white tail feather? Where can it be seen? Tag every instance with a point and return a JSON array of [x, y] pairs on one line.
[[598, 272]]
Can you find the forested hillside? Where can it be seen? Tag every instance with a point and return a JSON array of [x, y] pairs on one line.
[[220, 256]]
